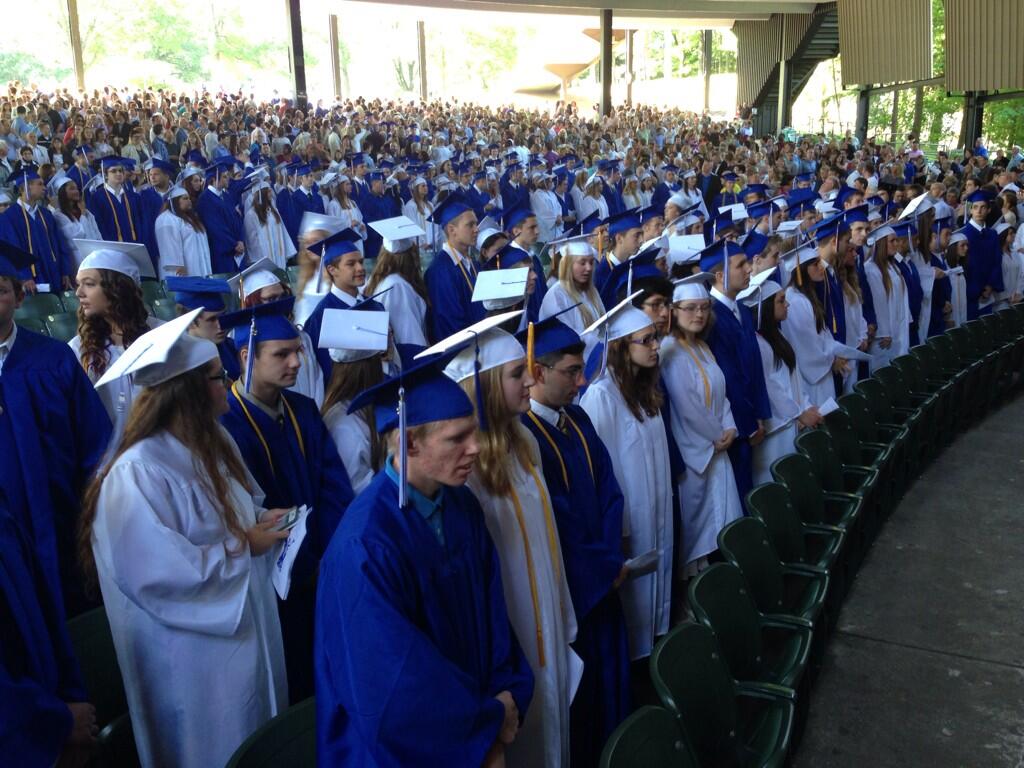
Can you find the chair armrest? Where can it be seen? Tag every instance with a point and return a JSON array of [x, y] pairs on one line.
[[785, 621], [765, 691]]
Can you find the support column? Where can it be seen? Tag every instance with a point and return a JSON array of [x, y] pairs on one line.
[[76, 44], [335, 43], [783, 110], [606, 61], [421, 57], [298, 56], [974, 117], [629, 66], [861, 126], [708, 41]]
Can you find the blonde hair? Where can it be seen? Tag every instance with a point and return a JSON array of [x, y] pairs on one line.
[[567, 282], [505, 436]]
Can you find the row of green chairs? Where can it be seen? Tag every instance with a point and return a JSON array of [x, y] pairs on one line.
[[734, 683], [62, 326]]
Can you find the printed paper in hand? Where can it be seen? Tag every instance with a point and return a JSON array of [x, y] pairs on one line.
[[828, 406], [286, 555], [643, 564]]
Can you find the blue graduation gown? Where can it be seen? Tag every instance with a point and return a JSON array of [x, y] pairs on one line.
[[229, 358], [374, 208], [80, 177], [830, 295], [224, 230], [412, 638], [312, 327], [662, 192], [613, 197], [984, 267], [118, 219], [38, 671], [734, 346], [291, 216], [915, 295], [151, 202], [511, 197], [724, 198], [451, 296], [942, 292], [40, 235], [588, 513], [53, 433], [293, 468]]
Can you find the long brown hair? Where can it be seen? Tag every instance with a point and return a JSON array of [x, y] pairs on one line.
[[883, 259], [771, 332], [262, 205], [73, 210], [504, 437], [190, 215], [183, 407], [639, 386], [347, 381], [405, 264], [804, 285], [126, 310]]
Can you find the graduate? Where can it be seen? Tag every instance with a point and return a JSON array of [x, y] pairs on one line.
[[574, 289], [956, 257], [491, 367], [625, 232], [182, 238], [416, 662], [942, 291], [116, 206], [266, 236], [291, 216], [111, 316], [623, 402], [588, 504], [451, 276], [175, 531], [151, 203], [45, 716], [522, 224], [805, 330], [32, 228], [901, 259], [303, 197], [733, 342], [223, 225], [398, 279], [984, 271], [206, 294], [374, 207], [287, 448], [342, 265], [53, 432], [76, 222], [702, 425]]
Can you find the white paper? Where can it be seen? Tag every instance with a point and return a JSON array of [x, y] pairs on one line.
[[575, 674], [954, 271], [849, 353], [286, 556], [43, 287], [643, 564], [828, 407]]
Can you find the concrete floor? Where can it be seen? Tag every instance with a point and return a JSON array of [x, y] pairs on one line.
[[926, 667]]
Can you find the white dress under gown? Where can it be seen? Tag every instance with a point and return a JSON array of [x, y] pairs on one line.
[[193, 614], [536, 563], [181, 246], [639, 453], [351, 435], [707, 492], [814, 349], [408, 310], [788, 401]]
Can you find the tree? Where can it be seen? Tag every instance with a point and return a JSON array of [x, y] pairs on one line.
[[404, 73], [173, 39], [494, 49]]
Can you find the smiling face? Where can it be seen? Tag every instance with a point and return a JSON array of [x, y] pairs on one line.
[[348, 272]]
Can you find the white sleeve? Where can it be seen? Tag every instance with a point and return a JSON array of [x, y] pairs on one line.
[[168, 241], [813, 355], [606, 421], [880, 299]]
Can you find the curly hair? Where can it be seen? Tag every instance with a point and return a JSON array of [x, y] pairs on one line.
[[182, 406], [126, 311]]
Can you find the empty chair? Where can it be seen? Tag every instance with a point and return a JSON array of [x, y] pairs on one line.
[[286, 741], [728, 723], [36, 324], [890, 442], [837, 477], [63, 326], [163, 309], [70, 301], [648, 737], [39, 305], [153, 290]]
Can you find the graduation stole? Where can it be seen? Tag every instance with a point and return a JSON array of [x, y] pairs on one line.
[[700, 367], [113, 210], [28, 234], [259, 433], [531, 571], [554, 446], [462, 268]]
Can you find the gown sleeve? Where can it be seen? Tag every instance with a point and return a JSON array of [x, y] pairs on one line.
[[605, 420], [813, 354], [880, 300]]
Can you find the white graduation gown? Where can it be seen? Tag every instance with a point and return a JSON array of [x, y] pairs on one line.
[[193, 614], [547, 209], [557, 299], [788, 401], [311, 376], [1012, 274], [639, 453], [270, 240], [353, 218], [181, 246], [707, 493], [958, 298], [408, 310], [892, 315], [813, 348], [856, 334], [351, 435], [591, 204], [926, 273], [432, 231], [84, 228], [117, 397], [543, 741]]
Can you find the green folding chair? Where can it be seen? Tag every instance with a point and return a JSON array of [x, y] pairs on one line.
[[889, 416], [153, 290], [286, 741], [39, 305], [163, 309], [728, 723], [650, 736], [836, 477], [890, 443], [70, 301], [63, 326], [36, 324], [851, 451]]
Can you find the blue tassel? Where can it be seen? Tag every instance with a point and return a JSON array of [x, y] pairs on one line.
[[478, 391], [403, 451], [251, 357]]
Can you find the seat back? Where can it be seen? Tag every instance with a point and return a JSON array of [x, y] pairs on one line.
[[153, 290], [70, 301], [692, 680], [63, 326], [39, 305], [845, 439], [770, 503], [816, 445], [94, 648], [163, 309], [859, 416], [891, 378], [649, 736], [910, 370], [796, 473], [286, 741], [747, 545], [36, 324], [878, 398], [721, 600]]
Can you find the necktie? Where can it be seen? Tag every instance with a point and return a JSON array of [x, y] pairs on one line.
[[563, 425]]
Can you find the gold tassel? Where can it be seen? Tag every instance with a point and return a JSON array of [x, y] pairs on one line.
[[529, 348]]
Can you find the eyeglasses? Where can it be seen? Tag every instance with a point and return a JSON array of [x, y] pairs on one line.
[[651, 339], [573, 372], [693, 309], [222, 377], [656, 306]]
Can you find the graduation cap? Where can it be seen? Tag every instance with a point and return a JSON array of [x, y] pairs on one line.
[[23, 176], [548, 336], [804, 178], [589, 223], [420, 394], [755, 189], [957, 237], [828, 228], [501, 288], [904, 228], [253, 278], [508, 256], [263, 322], [729, 176], [622, 275], [517, 216], [754, 244], [448, 210], [13, 260], [131, 259], [187, 172], [650, 213], [160, 165], [717, 255], [59, 180], [917, 206], [161, 354], [944, 222], [113, 161], [684, 249], [623, 222], [481, 346], [692, 288], [83, 150], [620, 321], [202, 293], [859, 213], [195, 157], [398, 233], [880, 233], [340, 243], [844, 194], [754, 295], [357, 333]]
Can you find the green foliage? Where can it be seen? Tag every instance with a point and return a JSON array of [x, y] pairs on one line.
[[404, 71], [722, 60], [493, 50], [22, 66], [173, 39], [1004, 123]]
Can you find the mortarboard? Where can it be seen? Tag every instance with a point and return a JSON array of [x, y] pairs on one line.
[[508, 256], [621, 320], [501, 289], [160, 165], [131, 259], [448, 210], [263, 322], [880, 233], [978, 196], [517, 216], [340, 243], [398, 233], [198, 292], [113, 161], [357, 333], [754, 244], [548, 336], [715, 256], [254, 278], [622, 275], [844, 194], [692, 288], [623, 222], [755, 189]]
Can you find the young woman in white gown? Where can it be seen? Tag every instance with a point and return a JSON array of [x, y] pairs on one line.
[[181, 238], [175, 531], [889, 296], [265, 234], [575, 286], [397, 283], [76, 222], [804, 328]]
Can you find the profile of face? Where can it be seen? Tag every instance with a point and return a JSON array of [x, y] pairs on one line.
[[561, 382], [462, 231], [780, 305], [207, 326], [217, 387], [9, 301], [92, 299], [516, 381], [657, 307], [277, 362], [643, 348], [447, 452], [529, 231]]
